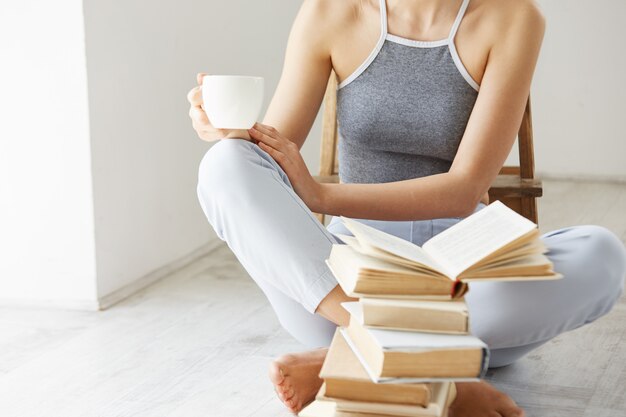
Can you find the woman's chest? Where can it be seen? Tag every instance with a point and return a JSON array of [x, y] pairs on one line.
[[412, 103]]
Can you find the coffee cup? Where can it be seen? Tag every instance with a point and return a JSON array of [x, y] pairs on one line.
[[232, 101]]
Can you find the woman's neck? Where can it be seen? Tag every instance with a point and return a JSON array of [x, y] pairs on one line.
[[422, 14]]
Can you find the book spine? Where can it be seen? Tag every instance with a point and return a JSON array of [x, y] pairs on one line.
[[458, 289]]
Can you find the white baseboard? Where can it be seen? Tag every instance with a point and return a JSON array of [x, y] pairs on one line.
[[116, 296], [57, 304], [141, 283]]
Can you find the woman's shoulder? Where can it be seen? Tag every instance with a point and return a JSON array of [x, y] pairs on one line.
[[327, 18], [503, 16], [324, 26], [507, 7], [334, 9]]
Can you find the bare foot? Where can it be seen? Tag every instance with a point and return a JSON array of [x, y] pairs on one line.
[[295, 377], [479, 399], [296, 381]]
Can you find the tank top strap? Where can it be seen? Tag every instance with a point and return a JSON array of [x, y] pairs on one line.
[[383, 18], [457, 21]]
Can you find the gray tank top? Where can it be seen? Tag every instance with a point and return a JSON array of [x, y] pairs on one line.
[[403, 112]]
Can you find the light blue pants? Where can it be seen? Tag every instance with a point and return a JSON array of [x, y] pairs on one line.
[[249, 201]]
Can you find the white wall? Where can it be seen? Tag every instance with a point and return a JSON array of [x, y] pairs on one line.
[[579, 90], [115, 120], [142, 59], [46, 216], [144, 153]]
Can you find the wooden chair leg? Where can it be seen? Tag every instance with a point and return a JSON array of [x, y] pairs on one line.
[[529, 208]]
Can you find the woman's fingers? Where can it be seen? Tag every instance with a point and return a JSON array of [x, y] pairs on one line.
[[195, 96], [198, 115], [267, 129], [274, 153], [286, 145], [199, 77], [196, 112], [265, 136], [208, 129]]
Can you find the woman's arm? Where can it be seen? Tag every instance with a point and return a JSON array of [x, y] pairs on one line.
[[489, 136], [486, 143], [306, 71], [302, 85]]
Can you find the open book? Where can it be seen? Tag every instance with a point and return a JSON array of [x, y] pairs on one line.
[[494, 243]]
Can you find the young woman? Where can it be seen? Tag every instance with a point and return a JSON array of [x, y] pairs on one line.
[[431, 94]]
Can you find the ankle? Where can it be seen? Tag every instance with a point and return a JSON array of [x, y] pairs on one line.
[[330, 307]]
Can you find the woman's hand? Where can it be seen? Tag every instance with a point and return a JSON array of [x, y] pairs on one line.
[[200, 121], [288, 156]]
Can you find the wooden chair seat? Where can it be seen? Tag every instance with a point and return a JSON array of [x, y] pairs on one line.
[[515, 186]]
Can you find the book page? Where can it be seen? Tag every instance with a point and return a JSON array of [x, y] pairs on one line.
[[347, 255], [454, 305], [372, 251], [536, 262], [351, 241], [477, 236], [403, 341], [369, 236], [406, 380], [319, 408], [366, 408]]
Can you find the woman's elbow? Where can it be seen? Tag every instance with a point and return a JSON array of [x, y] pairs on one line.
[[468, 199], [465, 208], [465, 191]]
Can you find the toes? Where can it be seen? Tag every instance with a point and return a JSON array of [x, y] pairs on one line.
[[278, 392], [276, 373], [292, 405], [508, 407], [285, 395], [513, 412], [295, 378], [288, 393]]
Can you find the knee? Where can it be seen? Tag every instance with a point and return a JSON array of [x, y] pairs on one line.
[[225, 157], [224, 177], [224, 167], [607, 252]]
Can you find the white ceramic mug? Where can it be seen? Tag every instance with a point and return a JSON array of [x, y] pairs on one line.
[[232, 101]]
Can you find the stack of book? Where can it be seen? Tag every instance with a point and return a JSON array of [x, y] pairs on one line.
[[409, 338]]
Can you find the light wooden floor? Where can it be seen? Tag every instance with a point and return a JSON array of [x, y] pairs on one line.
[[198, 344]]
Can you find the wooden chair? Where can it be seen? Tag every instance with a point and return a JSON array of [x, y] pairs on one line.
[[515, 186]]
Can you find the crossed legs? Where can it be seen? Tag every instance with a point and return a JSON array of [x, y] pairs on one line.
[[250, 203]]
